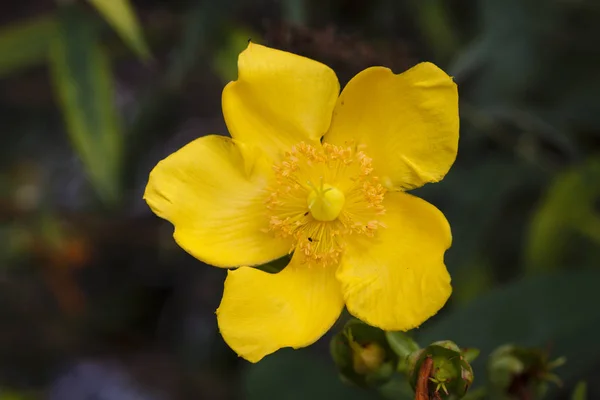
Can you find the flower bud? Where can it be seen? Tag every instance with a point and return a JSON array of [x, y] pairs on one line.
[[363, 355], [514, 372], [367, 358], [445, 369]]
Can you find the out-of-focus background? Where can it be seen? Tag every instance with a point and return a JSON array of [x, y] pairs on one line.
[[98, 302]]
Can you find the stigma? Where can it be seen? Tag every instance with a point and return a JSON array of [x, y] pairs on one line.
[[325, 202]]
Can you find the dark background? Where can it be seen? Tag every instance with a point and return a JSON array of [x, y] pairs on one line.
[[98, 302]]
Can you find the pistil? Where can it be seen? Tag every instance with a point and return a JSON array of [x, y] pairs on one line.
[[325, 202]]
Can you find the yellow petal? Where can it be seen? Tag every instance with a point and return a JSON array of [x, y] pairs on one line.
[[216, 200], [397, 280], [261, 312], [279, 99], [408, 123]]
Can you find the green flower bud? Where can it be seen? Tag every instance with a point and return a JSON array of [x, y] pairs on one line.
[[363, 355], [447, 344], [367, 358], [450, 375], [514, 372]]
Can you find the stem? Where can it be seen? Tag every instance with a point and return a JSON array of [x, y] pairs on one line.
[[422, 389]]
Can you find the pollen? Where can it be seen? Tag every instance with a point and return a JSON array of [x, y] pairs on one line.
[[321, 195]]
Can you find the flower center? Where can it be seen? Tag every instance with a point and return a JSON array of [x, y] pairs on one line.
[[319, 216], [325, 202]]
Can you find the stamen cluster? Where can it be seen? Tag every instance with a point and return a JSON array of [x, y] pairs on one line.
[[307, 166]]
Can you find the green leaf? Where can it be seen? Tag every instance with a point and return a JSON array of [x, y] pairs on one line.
[[25, 43], [471, 281], [434, 22], [296, 375], [558, 309], [580, 392], [506, 59], [277, 265], [470, 354], [202, 26], [485, 191], [225, 61], [401, 343], [160, 106], [567, 209], [82, 79], [121, 16]]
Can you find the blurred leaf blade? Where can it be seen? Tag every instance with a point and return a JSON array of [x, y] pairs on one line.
[[558, 309], [287, 365], [580, 392], [401, 343], [23, 44], [201, 25], [83, 83], [277, 265], [568, 207], [225, 61], [121, 16], [435, 25]]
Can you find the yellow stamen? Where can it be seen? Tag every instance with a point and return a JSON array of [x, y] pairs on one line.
[[346, 201]]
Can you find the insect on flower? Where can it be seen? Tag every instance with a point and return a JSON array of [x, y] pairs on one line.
[[324, 176]]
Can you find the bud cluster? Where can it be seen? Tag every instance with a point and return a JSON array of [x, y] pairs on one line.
[[369, 357]]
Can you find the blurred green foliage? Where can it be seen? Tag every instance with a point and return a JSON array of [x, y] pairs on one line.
[[580, 392], [24, 43], [123, 19], [93, 94], [82, 78], [568, 209]]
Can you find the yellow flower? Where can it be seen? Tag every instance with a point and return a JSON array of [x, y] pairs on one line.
[[324, 176]]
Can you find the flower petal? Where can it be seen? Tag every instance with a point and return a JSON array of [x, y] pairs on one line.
[[408, 123], [261, 312], [216, 200], [279, 99], [397, 280]]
